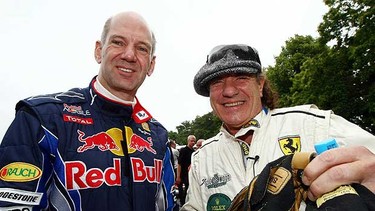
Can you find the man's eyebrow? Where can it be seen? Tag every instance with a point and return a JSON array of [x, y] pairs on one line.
[[114, 36]]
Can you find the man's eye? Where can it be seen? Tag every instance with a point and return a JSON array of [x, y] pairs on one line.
[[117, 42], [216, 82], [143, 49]]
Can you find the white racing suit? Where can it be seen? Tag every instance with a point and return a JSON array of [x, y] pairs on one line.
[[222, 166]]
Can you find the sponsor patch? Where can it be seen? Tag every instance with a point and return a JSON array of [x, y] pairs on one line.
[[141, 172], [75, 110], [20, 196], [16, 208], [290, 144], [278, 180], [20, 172], [140, 144], [216, 181], [77, 119], [218, 202], [342, 190], [142, 115], [145, 126], [102, 140], [79, 177], [253, 123]]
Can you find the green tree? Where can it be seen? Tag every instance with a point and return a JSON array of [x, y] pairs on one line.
[[205, 127], [349, 26], [336, 70], [289, 65]]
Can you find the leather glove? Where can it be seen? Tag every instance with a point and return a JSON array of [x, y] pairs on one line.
[[279, 187]]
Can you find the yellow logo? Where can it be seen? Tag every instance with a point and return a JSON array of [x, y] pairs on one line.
[[20, 172], [253, 123], [278, 180], [290, 144]]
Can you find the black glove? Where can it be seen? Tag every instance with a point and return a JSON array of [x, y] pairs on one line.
[[279, 187]]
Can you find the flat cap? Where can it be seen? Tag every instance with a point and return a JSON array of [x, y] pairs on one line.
[[226, 60]]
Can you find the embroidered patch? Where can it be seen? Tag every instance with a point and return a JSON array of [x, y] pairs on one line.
[[20, 172], [342, 190], [218, 202], [216, 181], [278, 180], [253, 123], [76, 110], [145, 126], [20, 196], [290, 144], [77, 119]]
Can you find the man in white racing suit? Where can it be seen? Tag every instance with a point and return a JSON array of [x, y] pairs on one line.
[[254, 133]]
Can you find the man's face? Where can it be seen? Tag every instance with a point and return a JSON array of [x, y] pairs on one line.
[[236, 99], [125, 57], [191, 142]]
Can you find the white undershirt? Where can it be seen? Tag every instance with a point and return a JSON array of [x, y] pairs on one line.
[[103, 91]]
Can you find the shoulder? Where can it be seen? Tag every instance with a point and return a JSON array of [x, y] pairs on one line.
[[308, 109], [72, 96], [209, 145]]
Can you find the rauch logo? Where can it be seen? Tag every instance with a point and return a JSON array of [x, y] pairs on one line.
[[20, 172]]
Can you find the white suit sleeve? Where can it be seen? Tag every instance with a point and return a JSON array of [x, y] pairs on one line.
[[350, 134], [194, 195]]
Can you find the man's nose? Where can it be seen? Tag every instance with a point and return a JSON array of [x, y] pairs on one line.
[[129, 54]]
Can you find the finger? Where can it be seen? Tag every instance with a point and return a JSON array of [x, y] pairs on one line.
[[334, 177], [328, 159]]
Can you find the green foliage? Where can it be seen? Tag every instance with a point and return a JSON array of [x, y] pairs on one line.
[[335, 71], [205, 127]]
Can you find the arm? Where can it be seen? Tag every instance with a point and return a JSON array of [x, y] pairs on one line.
[[180, 159], [178, 177], [19, 148], [354, 162], [194, 195], [168, 179]]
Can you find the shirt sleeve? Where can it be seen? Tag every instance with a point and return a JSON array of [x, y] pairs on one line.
[[19, 151], [168, 179], [350, 134], [193, 198]]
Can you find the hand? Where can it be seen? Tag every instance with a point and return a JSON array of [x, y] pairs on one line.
[[178, 181], [341, 166]]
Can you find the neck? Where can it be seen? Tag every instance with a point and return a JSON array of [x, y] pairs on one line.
[[248, 137]]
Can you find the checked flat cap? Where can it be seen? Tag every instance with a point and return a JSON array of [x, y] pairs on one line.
[[226, 60]]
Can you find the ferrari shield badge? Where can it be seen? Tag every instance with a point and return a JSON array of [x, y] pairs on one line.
[[290, 144]]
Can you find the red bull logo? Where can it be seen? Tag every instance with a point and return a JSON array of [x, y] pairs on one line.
[[77, 175], [141, 172], [101, 140], [138, 143]]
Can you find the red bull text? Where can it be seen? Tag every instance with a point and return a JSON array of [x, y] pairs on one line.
[[77, 175]]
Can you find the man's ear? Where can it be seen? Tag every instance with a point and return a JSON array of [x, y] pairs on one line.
[[152, 66], [98, 52]]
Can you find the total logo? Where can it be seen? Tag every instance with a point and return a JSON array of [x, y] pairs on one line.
[[79, 177], [111, 139]]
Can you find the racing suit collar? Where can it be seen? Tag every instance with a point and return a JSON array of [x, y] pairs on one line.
[[112, 107], [253, 124]]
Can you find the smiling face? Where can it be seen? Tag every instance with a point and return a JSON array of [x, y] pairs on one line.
[[236, 99], [125, 56]]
